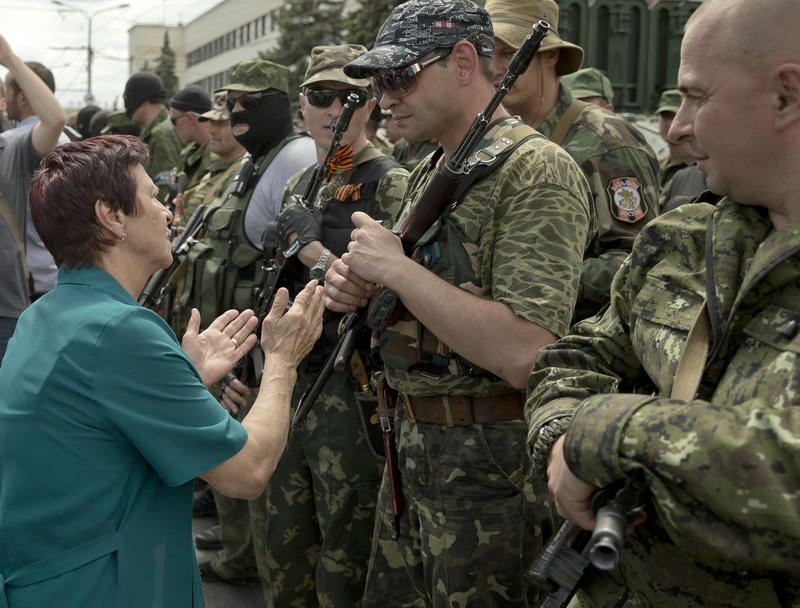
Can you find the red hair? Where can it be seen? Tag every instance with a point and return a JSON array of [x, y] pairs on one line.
[[70, 180]]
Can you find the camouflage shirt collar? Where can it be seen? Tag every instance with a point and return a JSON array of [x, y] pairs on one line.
[[195, 152], [162, 116], [217, 165], [549, 124]]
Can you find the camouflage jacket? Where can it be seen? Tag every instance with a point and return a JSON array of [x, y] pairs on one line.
[[622, 171], [412, 153], [518, 237], [382, 145], [195, 161], [164, 147], [724, 472], [212, 184]]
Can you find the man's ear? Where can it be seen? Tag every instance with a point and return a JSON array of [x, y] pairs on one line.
[[110, 219], [550, 58], [786, 93], [465, 58]]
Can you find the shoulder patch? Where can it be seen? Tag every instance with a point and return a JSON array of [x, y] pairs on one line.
[[625, 199]]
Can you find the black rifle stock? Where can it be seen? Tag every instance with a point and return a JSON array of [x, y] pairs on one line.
[[562, 563], [153, 291], [274, 266], [436, 197]]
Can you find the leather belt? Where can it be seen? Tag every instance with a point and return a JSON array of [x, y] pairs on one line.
[[463, 411]]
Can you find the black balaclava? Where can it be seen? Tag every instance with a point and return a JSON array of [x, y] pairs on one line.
[[142, 86], [269, 123]]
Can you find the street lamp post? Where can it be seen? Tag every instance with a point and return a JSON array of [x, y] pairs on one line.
[[89, 50]]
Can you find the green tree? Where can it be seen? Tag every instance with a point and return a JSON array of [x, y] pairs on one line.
[[304, 24], [165, 68], [363, 23]]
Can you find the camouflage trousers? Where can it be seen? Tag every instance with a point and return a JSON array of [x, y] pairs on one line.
[[471, 524], [236, 562], [321, 506]]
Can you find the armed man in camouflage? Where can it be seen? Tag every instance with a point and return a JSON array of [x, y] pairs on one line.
[[225, 269], [692, 376], [185, 109], [621, 167], [144, 105], [321, 500], [494, 279], [224, 160]]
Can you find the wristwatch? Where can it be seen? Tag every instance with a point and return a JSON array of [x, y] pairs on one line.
[[318, 269]]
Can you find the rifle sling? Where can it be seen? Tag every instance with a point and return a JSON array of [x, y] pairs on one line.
[[567, 118], [693, 360], [519, 135]]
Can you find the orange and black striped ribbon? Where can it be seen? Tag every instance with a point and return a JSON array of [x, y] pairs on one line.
[[341, 160]]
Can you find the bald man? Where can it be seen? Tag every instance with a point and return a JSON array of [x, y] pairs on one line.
[[692, 375]]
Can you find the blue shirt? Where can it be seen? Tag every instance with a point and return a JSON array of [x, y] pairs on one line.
[[104, 423]]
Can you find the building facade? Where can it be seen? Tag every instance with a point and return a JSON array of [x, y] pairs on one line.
[[636, 42]]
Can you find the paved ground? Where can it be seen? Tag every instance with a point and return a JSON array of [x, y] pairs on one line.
[[223, 595]]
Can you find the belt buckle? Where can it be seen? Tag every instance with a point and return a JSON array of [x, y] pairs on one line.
[[407, 404]]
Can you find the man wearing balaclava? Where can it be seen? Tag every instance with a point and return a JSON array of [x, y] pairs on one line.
[[144, 104], [225, 268]]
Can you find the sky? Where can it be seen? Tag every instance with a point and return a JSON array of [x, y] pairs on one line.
[[39, 30]]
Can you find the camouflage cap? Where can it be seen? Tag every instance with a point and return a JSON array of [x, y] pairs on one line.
[[257, 75], [670, 101], [218, 111], [327, 63], [513, 19], [417, 27], [589, 82]]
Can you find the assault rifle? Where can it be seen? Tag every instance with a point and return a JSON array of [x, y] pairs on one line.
[[561, 565], [433, 201], [154, 289], [273, 268]]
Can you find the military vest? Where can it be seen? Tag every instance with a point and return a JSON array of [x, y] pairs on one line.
[[223, 269], [340, 201]]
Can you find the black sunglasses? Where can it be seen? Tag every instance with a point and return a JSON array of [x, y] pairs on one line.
[[174, 119], [323, 98], [402, 80], [249, 101]]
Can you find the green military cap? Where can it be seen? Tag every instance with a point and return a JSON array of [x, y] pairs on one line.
[[670, 101], [589, 82], [327, 63], [218, 111], [116, 119], [257, 75], [513, 19]]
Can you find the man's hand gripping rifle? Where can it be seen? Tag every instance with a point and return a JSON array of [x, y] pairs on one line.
[[300, 212], [561, 564], [436, 198]]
